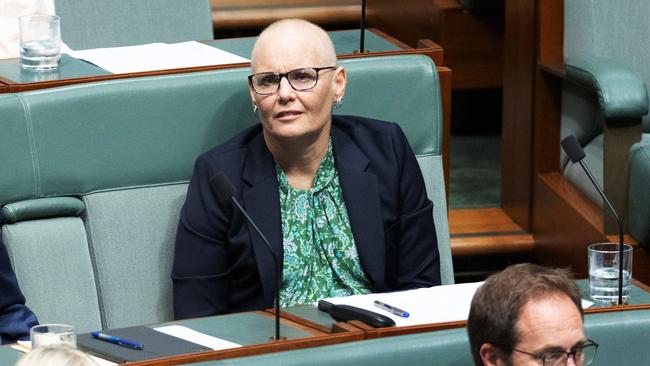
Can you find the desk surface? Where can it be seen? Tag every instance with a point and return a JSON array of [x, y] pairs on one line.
[[72, 70], [306, 326], [247, 329]]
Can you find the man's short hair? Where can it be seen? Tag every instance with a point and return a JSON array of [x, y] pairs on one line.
[[497, 304]]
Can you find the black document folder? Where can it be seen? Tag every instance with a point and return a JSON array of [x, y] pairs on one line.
[[156, 344]]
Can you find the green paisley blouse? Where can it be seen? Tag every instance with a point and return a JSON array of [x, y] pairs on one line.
[[320, 257]]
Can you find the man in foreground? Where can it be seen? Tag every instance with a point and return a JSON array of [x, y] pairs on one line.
[[529, 315]]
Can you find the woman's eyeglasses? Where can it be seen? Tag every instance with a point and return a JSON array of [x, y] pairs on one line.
[[303, 79]]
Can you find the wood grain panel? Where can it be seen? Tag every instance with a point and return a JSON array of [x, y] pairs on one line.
[[518, 83], [480, 221], [566, 223], [473, 41], [492, 245]]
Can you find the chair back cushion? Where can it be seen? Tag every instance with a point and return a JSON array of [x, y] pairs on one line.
[[96, 23]]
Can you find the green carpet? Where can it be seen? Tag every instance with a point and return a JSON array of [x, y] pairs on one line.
[[475, 176]]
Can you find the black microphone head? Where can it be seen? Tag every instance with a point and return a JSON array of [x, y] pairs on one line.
[[221, 187], [572, 148]]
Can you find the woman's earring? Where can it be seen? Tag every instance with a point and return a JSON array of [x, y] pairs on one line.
[[338, 102], [255, 108]]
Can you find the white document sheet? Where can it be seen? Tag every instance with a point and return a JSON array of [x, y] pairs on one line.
[[191, 335], [425, 306], [156, 56]]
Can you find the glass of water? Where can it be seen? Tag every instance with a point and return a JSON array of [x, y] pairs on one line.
[[604, 259], [53, 335], [40, 42]]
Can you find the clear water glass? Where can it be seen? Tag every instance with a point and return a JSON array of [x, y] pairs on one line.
[[40, 42], [53, 335], [604, 259]]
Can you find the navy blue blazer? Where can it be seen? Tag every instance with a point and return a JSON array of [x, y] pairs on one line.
[[15, 318], [222, 266]]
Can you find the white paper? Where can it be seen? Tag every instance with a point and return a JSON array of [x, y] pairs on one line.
[[425, 306], [197, 337], [586, 304], [156, 56]]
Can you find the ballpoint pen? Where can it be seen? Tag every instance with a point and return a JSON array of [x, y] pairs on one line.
[[117, 340], [392, 309]]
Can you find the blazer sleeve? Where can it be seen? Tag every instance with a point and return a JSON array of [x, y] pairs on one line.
[[199, 275], [418, 257], [15, 318]]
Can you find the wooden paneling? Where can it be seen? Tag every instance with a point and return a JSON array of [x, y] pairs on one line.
[[518, 83], [479, 221], [565, 224], [234, 14], [492, 245], [473, 42], [486, 231]]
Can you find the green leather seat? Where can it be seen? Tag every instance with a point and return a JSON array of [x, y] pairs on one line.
[[621, 337], [95, 23], [111, 160]]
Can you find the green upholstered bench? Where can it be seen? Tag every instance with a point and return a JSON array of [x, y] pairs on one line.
[[621, 337], [93, 177]]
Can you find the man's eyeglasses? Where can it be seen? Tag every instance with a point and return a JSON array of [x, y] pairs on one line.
[[582, 355], [304, 79]]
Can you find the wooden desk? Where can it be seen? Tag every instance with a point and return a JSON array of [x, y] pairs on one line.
[[306, 327], [253, 330]]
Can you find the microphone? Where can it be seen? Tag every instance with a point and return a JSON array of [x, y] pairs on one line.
[[573, 149], [344, 313], [225, 191]]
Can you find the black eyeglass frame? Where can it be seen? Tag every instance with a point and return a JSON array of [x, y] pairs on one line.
[[587, 343], [286, 75]]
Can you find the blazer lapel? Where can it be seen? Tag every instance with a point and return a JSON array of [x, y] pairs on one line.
[[262, 202], [361, 195]]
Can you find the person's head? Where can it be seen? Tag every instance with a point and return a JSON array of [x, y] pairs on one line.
[[525, 311], [55, 356], [296, 47]]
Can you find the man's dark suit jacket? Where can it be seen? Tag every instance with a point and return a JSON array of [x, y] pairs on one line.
[[222, 266], [15, 317]]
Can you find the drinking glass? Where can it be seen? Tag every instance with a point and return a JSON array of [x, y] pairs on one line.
[[40, 41], [53, 334], [604, 259]]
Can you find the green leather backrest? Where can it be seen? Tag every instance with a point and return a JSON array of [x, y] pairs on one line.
[[614, 29], [126, 148], [96, 23], [147, 131], [442, 348], [622, 338]]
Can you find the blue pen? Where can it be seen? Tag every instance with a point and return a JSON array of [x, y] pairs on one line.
[[392, 309], [117, 340]]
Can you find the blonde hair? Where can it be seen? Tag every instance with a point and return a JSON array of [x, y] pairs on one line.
[[55, 356]]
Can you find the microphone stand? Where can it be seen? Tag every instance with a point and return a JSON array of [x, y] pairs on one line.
[[574, 151], [621, 245], [275, 266]]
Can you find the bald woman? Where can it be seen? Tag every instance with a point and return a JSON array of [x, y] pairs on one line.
[[340, 198]]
